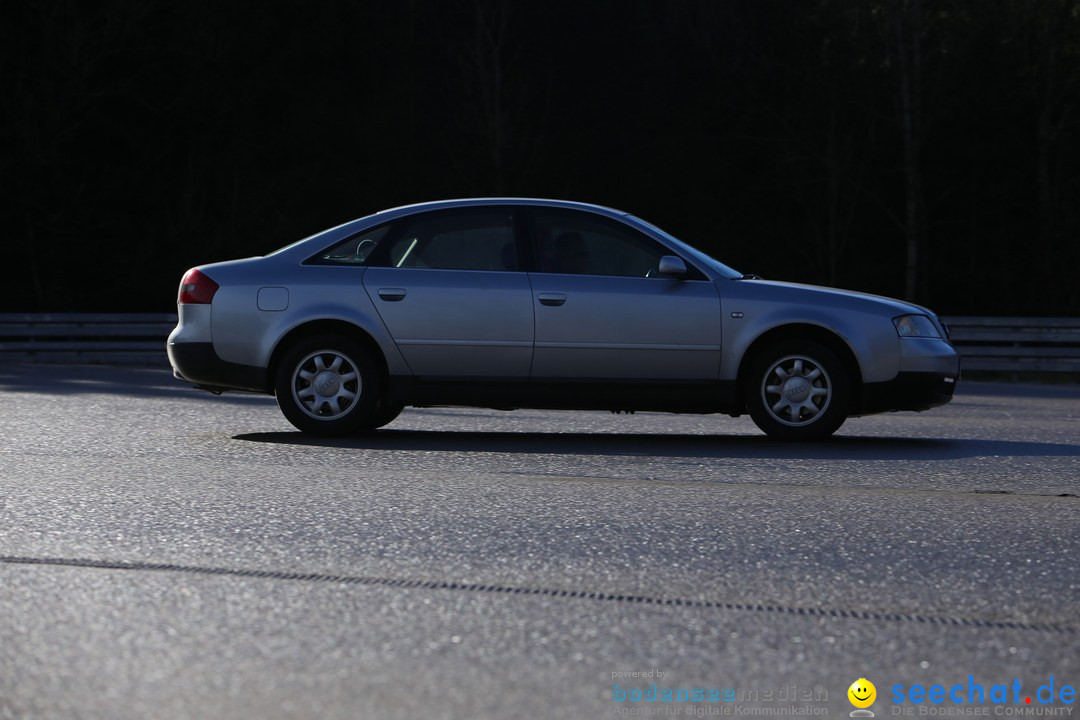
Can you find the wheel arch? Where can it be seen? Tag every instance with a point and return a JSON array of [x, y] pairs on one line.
[[803, 331], [312, 328]]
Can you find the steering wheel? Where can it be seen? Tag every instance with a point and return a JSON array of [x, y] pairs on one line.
[[364, 248]]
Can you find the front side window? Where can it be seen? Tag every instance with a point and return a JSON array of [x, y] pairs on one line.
[[577, 243], [456, 240]]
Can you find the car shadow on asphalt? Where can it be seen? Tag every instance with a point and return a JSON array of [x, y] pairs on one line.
[[675, 446], [136, 381]]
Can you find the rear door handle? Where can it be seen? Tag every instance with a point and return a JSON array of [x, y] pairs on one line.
[[392, 294], [552, 299]]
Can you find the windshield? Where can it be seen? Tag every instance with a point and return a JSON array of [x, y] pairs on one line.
[[698, 255]]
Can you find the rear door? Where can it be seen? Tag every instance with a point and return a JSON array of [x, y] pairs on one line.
[[448, 286]]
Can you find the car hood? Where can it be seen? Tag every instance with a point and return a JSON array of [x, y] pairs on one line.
[[819, 295]]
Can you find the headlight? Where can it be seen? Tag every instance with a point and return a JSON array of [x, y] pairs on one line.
[[916, 326]]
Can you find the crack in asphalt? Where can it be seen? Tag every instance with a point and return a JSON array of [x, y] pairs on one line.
[[497, 588]]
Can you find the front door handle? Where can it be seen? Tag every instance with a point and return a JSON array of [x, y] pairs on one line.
[[392, 294], [552, 299]]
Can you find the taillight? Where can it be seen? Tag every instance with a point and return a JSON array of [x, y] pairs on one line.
[[196, 288]]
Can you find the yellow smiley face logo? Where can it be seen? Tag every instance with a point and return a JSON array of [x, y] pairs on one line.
[[862, 693]]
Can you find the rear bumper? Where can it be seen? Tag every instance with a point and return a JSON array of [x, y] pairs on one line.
[[908, 391], [198, 364]]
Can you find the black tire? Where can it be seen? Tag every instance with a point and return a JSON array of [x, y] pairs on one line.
[[386, 413], [797, 390], [329, 385]]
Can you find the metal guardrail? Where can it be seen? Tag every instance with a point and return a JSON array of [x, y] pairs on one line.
[[105, 338], [1017, 344], [996, 344]]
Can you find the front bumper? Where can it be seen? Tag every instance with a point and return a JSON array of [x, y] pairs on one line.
[[198, 364], [908, 391], [929, 369]]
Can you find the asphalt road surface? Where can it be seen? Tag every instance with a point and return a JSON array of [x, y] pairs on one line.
[[165, 553]]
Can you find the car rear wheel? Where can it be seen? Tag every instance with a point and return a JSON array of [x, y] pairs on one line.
[[797, 390], [329, 385]]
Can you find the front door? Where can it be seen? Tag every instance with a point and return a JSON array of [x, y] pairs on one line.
[[603, 313]]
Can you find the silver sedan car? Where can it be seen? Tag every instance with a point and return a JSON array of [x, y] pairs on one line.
[[520, 303]]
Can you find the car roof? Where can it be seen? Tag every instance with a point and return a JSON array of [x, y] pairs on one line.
[[301, 249], [342, 231], [482, 201]]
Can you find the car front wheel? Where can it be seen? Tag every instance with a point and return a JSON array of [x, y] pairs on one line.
[[386, 413], [328, 385], [797, 390]]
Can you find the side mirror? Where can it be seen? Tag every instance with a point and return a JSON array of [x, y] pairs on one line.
[[672, 266]]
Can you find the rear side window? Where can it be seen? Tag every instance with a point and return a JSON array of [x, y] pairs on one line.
[[354, 251], [481, 239]]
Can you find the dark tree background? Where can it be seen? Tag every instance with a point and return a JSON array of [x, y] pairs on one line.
[[908, 147]]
